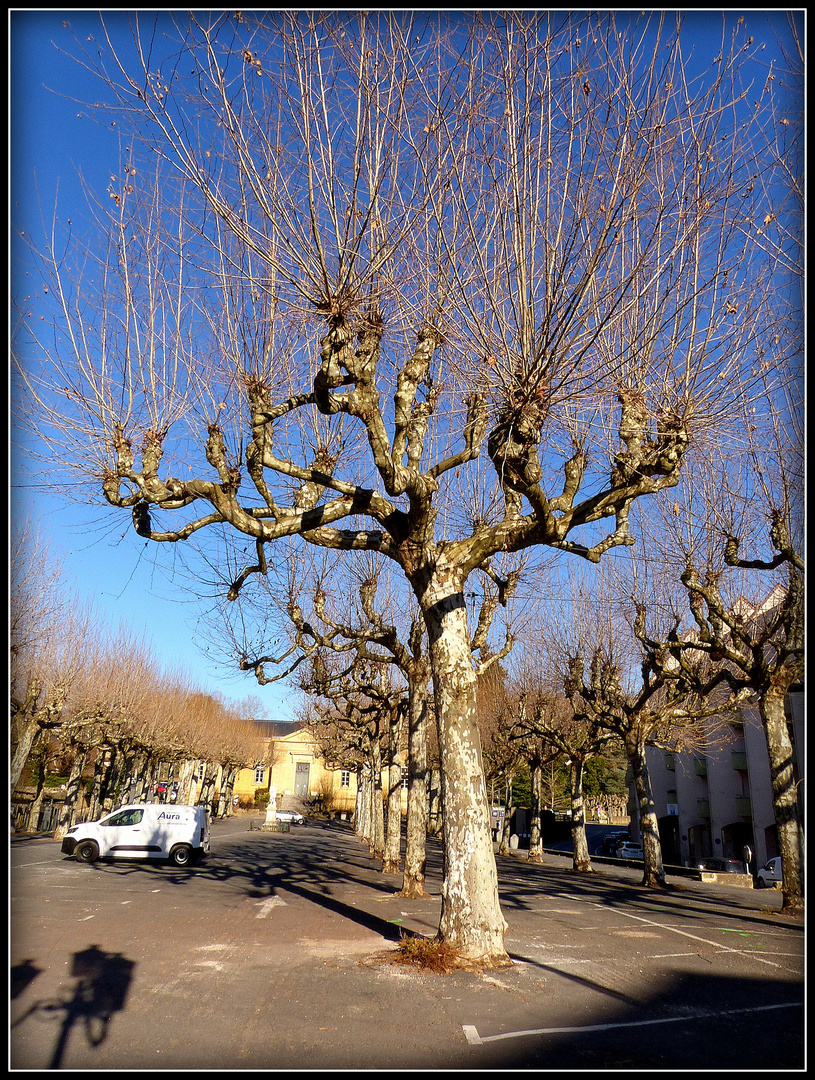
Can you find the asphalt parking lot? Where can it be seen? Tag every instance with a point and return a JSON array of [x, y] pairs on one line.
[[277, 952]]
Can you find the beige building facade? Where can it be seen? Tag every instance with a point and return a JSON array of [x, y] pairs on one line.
[[719, 803], [298, 772]]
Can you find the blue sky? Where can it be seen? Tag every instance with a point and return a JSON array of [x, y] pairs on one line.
[[54, 141]]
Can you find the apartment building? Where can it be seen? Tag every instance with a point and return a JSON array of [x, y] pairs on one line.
[[714, 803]]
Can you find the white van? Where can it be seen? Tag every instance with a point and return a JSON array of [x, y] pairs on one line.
[[143, 831]]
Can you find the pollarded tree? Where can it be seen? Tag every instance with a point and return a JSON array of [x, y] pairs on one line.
[[438, 286], [593, 651], [352, 612], [361, 695], [577, 736], [655, 705], [49, 637], [746, 619]]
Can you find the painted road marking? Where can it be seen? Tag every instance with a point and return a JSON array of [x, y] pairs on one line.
[[705, 941], [474, 1039], [694, 937], [267, 905]]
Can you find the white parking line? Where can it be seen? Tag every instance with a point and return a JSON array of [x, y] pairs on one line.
[[684, 933], [474, 1039], [695, 937]]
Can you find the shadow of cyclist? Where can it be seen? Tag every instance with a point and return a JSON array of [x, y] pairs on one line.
[[103, 980]]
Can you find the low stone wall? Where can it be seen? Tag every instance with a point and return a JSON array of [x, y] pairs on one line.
[[740, 881]]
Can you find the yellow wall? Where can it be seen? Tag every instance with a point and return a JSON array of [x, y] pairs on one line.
[[313, 778]]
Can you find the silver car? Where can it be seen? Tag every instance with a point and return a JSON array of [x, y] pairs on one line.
[[770, 876], [627, 850], [291, 816]]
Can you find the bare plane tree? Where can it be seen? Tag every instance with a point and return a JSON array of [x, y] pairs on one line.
[[746, 612], [371, 633], [437, 286], [577, 737]]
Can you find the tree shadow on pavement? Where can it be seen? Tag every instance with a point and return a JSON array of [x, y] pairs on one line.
[[696, 1022]]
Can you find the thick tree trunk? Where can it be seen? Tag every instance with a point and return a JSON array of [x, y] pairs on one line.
[[504, 846], [393, 836], [785, 800], [72, 793], [471, 919], [108, 801], [36, 806], [535, 833], [186, 783], [144, 778], [581, 860], [416, 831], [208, 785], [653, 870], [434, 827], [230, 772], [27, 732], [362, 825], [98, 788], [377, 837]]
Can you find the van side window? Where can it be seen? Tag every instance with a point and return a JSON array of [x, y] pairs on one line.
[[127, 817]]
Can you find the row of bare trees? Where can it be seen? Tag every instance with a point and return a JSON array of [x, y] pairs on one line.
[[597, 678], [98, 702], [439, 287], [360, 652]]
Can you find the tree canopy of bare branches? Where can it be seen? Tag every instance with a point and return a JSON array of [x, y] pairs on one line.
[[435, 286]]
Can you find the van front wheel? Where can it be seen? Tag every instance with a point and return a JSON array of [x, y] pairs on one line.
[[87, 851], [182, 855]]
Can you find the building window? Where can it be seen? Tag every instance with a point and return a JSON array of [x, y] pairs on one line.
[[259, 774], [202, 768], [345, 778]]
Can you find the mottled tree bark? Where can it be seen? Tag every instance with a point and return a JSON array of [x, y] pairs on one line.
[[581, 860], [654, 871], [535, 833], [471, 919], [393, 834], [416, 831], [785, 797]]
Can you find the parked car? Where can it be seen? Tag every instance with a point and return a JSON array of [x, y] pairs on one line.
[[291, 816], [629, 850], [722, 866], [611, 841], [142, 831], [769, 876]]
